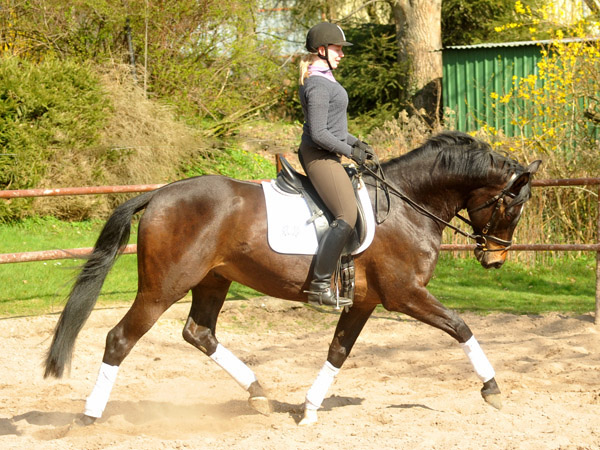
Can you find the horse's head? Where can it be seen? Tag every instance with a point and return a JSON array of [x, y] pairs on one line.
[[453, 171], [494, 213]]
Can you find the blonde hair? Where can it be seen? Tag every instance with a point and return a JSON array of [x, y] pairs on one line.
[[305, 62]]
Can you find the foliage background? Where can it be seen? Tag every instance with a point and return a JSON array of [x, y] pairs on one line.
[[476, 22], [149, 91], [555, 110]]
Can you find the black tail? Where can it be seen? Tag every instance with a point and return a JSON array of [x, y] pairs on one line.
[[113, 238]]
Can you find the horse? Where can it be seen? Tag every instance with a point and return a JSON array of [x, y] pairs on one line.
[[201, 234]]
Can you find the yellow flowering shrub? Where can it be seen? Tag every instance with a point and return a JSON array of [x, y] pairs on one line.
[[557, 113], [550, 105]]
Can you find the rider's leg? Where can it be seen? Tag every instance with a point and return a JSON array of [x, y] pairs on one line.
[[333, 185], [330, 248]]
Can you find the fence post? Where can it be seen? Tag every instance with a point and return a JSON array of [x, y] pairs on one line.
[[597, 315]]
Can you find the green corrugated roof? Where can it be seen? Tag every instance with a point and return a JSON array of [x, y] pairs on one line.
[[519, 43]]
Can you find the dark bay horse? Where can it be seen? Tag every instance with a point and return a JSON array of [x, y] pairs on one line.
[[203, 233]]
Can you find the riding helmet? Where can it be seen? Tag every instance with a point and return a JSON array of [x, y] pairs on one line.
[[324, 34]]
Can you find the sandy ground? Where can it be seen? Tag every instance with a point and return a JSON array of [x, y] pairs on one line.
[[405, 386]]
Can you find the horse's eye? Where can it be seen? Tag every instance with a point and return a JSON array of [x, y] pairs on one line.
[[512, 213]]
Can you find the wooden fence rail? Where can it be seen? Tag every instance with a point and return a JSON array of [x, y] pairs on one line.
[[7, 258]]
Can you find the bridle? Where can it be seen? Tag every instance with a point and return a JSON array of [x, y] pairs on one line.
[[481, 240]]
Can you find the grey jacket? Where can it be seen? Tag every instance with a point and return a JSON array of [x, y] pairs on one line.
[[324, 103]]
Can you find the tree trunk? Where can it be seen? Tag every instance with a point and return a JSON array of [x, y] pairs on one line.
[[419, 35]]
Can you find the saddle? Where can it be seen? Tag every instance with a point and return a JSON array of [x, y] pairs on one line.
[[292, 182], [297, 186]]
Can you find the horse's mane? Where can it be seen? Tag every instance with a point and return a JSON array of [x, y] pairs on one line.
[[456, 154], [461, 154]]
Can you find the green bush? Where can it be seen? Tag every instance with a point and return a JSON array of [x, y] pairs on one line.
[[44, 108], [64, 125]]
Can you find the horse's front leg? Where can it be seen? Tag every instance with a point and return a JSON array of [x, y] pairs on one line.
[[348, 328], [417, 302]]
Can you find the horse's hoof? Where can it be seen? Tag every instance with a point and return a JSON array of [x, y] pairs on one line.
[[261, 404], [491, 393], [494, 400], [83, 421], [310, 418]]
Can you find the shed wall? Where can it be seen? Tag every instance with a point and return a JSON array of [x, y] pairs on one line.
[[471, 74]]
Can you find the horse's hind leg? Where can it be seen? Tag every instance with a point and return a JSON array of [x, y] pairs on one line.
[[144, 312], [347, 331], [200, 331]]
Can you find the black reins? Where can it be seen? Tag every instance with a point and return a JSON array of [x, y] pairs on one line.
[[481, 240]]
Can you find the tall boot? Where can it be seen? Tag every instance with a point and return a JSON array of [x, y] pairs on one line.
[[328, 254]]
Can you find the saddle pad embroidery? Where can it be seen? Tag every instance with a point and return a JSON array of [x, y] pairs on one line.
[[288, 229]]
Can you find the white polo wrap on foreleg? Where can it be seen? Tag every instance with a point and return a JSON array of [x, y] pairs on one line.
[[481, 364], [96, 402], [231, 364], [316, 394]]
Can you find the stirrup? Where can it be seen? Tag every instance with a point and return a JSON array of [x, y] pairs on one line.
[[327, 298]]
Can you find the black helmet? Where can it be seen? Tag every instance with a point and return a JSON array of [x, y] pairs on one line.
[[323, 34]]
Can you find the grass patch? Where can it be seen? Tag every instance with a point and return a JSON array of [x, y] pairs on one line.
[[560, 284], [42, 287]]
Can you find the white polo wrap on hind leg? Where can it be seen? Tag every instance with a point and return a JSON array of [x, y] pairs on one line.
[[96, 402], [231, 364], [481, 364], [316, 394]]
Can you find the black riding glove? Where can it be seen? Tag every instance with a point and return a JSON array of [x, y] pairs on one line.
[[366, 148], [358, 155]]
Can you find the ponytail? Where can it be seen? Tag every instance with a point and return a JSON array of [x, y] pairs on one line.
[[305, 62]]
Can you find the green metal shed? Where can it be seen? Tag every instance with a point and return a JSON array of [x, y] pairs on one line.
[[472, 72]]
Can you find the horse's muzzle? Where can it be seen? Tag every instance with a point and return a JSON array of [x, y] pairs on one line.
[[491, 259]]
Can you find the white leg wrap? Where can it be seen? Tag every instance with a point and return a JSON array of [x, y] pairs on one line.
[[231, 364], [481, 364], [96, 402], [316, 394]]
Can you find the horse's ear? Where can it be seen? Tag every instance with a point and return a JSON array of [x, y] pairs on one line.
[[534, 166], [521, 181], [524, 178]]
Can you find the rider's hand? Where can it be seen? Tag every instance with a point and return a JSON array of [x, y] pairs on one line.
[[358, 155], [366, 148]]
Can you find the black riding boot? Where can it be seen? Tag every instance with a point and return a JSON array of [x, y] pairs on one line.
[[330, 248]]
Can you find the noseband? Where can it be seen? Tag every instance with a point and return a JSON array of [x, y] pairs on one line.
[[481, 240]]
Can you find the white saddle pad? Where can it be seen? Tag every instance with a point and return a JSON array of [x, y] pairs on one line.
[[289, 229]]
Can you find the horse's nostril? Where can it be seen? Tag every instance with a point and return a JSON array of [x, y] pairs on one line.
[[479, 255]]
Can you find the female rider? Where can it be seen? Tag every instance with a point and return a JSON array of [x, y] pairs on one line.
[[325, 139]]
